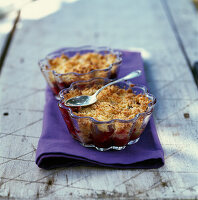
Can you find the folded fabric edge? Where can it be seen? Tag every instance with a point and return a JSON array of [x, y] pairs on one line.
[[47, 160]]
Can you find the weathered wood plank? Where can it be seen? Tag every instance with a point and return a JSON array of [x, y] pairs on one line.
[[185, 17], [120, 24], [66, 184]]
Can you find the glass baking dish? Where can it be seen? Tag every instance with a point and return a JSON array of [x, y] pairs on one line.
[[104, 135], [58, 81]]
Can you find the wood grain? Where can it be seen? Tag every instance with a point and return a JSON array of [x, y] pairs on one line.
[[120, 24]]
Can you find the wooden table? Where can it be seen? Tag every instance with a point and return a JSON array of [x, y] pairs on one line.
[[166, 34]]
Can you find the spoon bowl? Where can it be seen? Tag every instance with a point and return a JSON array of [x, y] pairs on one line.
[[88, 100], [81, 101]]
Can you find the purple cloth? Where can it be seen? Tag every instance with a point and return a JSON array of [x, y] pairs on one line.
[[57, 148]]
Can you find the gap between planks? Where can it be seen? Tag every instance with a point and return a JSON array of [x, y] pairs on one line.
[[8, 41], [179, 40]]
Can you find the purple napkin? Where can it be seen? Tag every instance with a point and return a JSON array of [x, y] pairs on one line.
[[57, 148]]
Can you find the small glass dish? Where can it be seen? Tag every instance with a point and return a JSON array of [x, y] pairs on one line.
[[58, 81], [104, 135]]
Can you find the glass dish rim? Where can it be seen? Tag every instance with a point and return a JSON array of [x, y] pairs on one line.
[[142, 87], [43, 62]]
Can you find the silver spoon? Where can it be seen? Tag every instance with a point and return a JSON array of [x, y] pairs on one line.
[[88, 100]]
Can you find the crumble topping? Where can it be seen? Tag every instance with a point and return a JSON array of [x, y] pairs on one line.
[[81, 63], [113, 103]]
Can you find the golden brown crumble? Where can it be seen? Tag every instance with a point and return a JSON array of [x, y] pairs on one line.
[[113, 103], [81, 63]]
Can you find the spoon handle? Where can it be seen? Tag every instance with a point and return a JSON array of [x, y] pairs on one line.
[[127, 77]]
